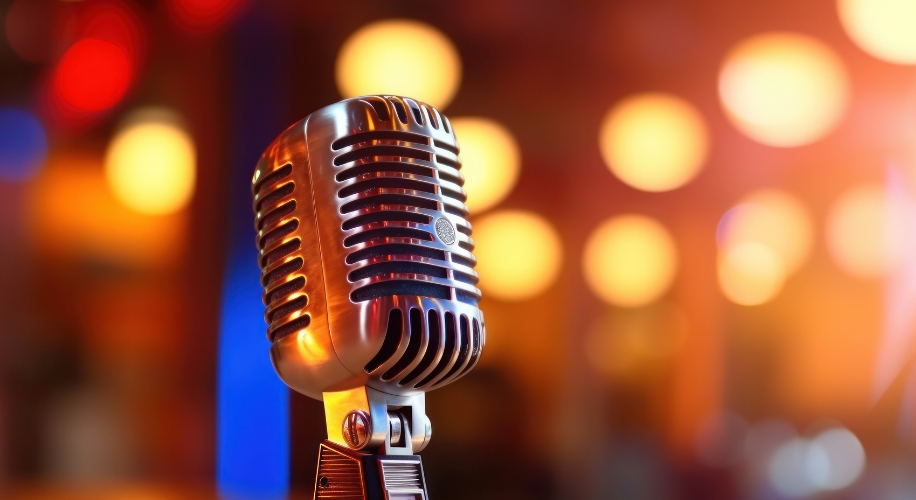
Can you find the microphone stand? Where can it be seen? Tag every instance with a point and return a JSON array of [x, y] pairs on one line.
[[363, 419]]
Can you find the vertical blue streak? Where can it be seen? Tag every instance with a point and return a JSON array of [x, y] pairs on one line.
[[253, 404]]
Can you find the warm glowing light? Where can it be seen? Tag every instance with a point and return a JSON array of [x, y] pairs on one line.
[[400, 57], [23, 145], [151, 164], [93, 75], [490, 161], [858, 234], [883, 28], [831, 461], [630, 260], [519, 254], [203, 15], [654, 141], [750, 273], [783, 89], [773, 218]]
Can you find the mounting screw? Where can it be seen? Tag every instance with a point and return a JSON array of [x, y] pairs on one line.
[[357, 429], [323, 482]]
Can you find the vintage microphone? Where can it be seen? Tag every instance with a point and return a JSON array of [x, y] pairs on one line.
[[368, 273]]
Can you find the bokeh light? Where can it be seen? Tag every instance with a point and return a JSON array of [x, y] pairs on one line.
[[750, 273], [490, 161], [630, 260], [774, 218], [783, 89], [858, 233], [150, 164], [203, 15], [519, 254], [883, 28], [93, 75], [846, 458], [23, 145], [400, 57], [831, 461], [654, 141]]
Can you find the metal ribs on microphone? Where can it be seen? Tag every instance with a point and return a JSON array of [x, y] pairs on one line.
[[366, 254]]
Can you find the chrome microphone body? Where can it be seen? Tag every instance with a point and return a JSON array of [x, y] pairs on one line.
[[368, 273]]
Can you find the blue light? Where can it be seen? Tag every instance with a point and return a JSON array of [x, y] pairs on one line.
[[23, 145], [253, 404]]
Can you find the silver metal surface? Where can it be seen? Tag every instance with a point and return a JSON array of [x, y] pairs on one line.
[[363, 238]]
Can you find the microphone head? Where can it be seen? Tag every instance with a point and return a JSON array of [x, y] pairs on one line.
[[365, 250]]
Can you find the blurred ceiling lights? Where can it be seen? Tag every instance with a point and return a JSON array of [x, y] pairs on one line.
[[203, 15], [630, 260], [23, 145], [490, 161], [783, 89], [882, 28], [93, 75], [750, 273], [151, 163], [519, 254], [762, 240], [858, 233], [400, 57], [831, 461], [654, 141], [774, 218]]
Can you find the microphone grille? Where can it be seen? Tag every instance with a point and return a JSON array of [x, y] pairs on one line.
[[401, 190], [281, 271]]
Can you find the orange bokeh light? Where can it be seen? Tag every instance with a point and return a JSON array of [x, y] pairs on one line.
[[93, 75]]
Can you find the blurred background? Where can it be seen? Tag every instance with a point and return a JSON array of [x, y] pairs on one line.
[[695, 223]]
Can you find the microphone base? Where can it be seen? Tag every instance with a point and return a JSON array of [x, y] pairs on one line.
[[345, 474]]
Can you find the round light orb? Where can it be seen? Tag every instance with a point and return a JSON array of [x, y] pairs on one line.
[[750, 273], [400, 57], [783, 89], [630, 260], [93, 75], [774, 218], [846, 458], [883, 28], [519, 254], [858, 234], [490, 161], [151, 164], [654, 141]]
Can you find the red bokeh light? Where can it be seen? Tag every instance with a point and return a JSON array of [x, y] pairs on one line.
[[93, 75], [203, 15]]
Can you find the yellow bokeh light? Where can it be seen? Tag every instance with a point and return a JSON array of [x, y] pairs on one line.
[[630, 260], [490, 161], [654, 141], [773, 218], [151, 164], [519, 254], [750, 273], [783, 89], [858, 234], [400, 57], [883, 28]]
